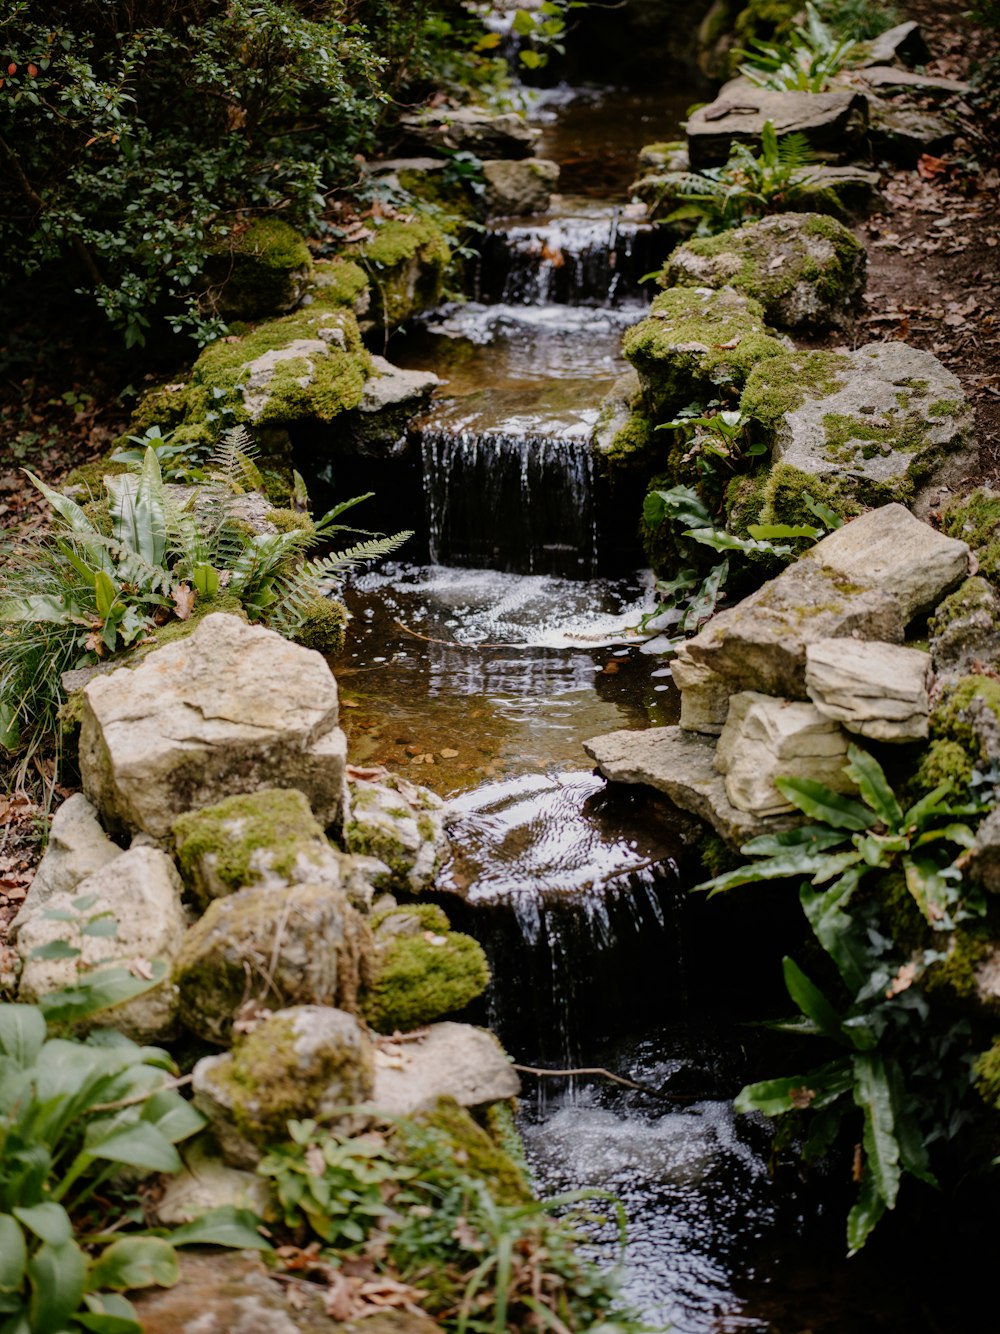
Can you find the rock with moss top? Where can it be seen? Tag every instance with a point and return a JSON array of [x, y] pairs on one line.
[[694, 343], [140, 894], [965, 630], [454, 1131], [303, 1061], [834, 123], [967, 713], [407, 262], [300, 945], [323, 626], [264, 270], [514, 189], [975, 519], [268, 838], [230, 709], [806, 270], [884, 422], [401, 824], [470, 130], [448, 1060], [392, 397], [421, 969]]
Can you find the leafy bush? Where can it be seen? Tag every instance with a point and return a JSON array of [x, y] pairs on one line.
[[807, 63], [904, 1068]]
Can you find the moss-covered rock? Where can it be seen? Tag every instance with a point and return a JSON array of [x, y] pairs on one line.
[[421, 972], [965, 630], [402, 825], [264, 269], [805, 269], [406, 263], [324, 626], [696, 345], [976, 519], [943, 762], [447, 1135], [785, 382], [267, 947], [342, 282], [968, 713], [987, 1075]]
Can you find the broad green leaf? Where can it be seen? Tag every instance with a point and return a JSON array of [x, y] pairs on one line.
[[138, 510], [135, 1262], [880, 849], [13, 1254], [913, 1155], [55, 949], [867, 773], [225, 1226], [48, 608], [719, 540], [49, 1222], [174, 1117], [68, 510], [22, 1032], [836, 932], [767, 531], [931, 891], [792, 861], [866, 1212], [205, 579], [828, 517], [138, 1145], [811, 1001], [681, 503], [10, 723], [873, 1095], [98, 991], [105, 592], [821, 803], [961, 834], [703, 602], [109, 1313], [810, 837], [927, 806], [57, 1275], [815, 1090]]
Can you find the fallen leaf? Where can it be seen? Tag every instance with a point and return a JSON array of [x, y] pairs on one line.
[[801, 1097], [183, 596], [904, 979], [858, 1166], [141, 968]]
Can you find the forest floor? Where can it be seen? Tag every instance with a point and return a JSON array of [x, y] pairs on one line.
[[933, 281]]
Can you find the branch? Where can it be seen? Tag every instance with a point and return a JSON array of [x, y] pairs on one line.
[[38, 202]]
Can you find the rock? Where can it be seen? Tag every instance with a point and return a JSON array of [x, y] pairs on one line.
[[760, 644], [681, 764], [229, 709], [448, 1060], [408, 260], [401, 824], [421, 969], [207, 1183], [964, 632], [766, 738], [805, 270], [903, 133], [889, 79], [306, 1061], [834, 123], [983, 863], [704, 695], [264, 947], [876, 690], [391, 398], [263, 270], [515, 189], [899, 554], [617, 407], [888, 422], [471, 130], [267, 838], [904, 43], [141, 892], [293, 366], [855, 188], [693, 341], [672, 156], [77, 848]]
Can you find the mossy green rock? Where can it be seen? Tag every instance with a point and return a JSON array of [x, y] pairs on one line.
[[806, 270], [302, 1061], [965, 630], [402, 825], [987, 1075], [696, 344], [976, 519], [406, 263], [968, 713], [264, 270], [450, 1133], [421, 970]]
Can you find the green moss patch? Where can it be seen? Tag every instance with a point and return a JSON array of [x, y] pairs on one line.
[[264, 270], [458, 1137], [782, 383], [976, 519], [420, 977]]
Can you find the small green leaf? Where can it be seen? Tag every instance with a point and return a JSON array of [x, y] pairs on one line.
[[135, 1262], [864, 770], [49, 1222], [57, 1275], [821, 803], [810, 837], [13, 1255], [22, 1032], [766, 531], [866, 1212], [55, 949], [138, 1145], [811, 1001], [225, 1226]]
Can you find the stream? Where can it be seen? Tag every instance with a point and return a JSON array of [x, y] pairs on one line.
[[480, 669]]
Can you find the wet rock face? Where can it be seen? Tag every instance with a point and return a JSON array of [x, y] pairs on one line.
[[229, 709]]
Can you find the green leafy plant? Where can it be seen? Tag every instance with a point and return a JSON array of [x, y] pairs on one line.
[[807, 63], [748, 186], [859, 20], [72, 1116], [904, 1072]]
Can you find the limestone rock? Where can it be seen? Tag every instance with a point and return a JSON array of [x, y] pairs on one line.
[[207, 1183], [682, 765], [889, 79], [471, 130], [964, 632], [391, 398], [888, 423], [984, 859], [834, 123], [692, 341], [672, 156], [267, 838], [806, 270], [297, 360], [704, 695], [876, 690], [306, 1061], [617, 407], [760, 644], [902, 44], [401, 824], [304, 945], [515, 189], [448, 1060], [141, 891], [897, 553], [229, 709], [78, 847], [766, 738]]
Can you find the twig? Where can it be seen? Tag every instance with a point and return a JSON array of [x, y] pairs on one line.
[[628, 870], [451, 643], [141, 1097], [586, 1070]]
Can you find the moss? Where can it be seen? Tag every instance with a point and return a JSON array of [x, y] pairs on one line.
[[986, 1072], [263, 270], [635, 439], [341, 282], [848, 436], [976, 519], [974, 595], [962, 710], [716, 855], [956, 974], [943, 762], [695, 344], [410, 919], [764, 20], [944, 407], [89, 477], [290, 521], [407, 262], [324, 627], [422, 977], [788, 490], [470, 1147], [783, 383]]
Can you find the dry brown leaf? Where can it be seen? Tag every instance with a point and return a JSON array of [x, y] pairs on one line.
[[140, 967], [183, 596]]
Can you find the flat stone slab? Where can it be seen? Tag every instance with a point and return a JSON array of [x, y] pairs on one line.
[[876, 690], [889, 79], [471, 129], [904, 43], [767, 738], [834, 123], [897, 553], [231, 708], [682, 765], [889, 423], [444, 1060], [704, 695], [760, 644]]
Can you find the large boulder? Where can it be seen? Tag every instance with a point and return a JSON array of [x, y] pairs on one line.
[[447, 1060], [876, 690], [806, 270], [263, 269], [884, 422], [391, 398], [306, 1061], [231, 708], [834, 123], [264, 947], [139, 895]]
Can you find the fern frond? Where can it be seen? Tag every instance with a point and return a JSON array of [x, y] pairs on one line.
[[325, 571], [232, 460]]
